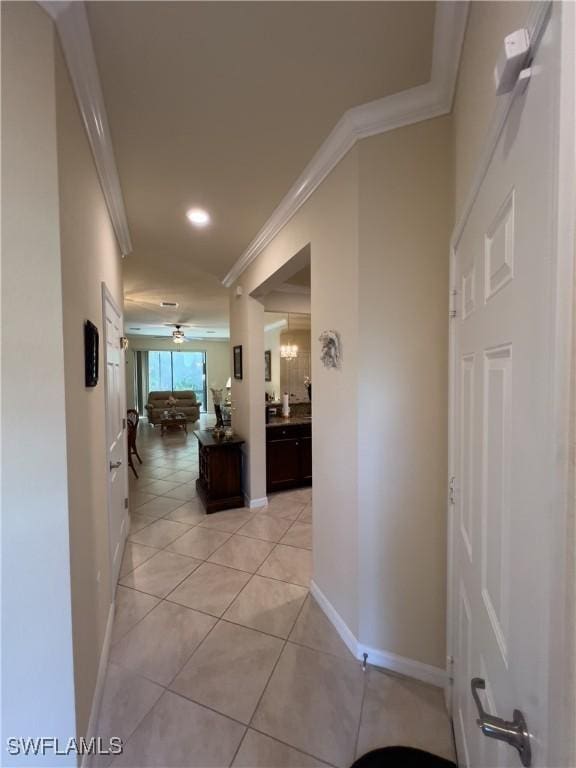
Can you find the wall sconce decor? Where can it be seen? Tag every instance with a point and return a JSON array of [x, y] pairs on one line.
[[331, 349]]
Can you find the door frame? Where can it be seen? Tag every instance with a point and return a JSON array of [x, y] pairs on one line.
[[562, 659], [108, 297]]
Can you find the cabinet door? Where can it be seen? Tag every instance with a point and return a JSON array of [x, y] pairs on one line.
[[283, 464], [306, 459]]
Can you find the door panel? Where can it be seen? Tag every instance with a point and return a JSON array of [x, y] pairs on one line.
[[502, 272], [116, 464], [283, 462]]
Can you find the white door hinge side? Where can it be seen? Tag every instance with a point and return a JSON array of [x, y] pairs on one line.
[[453, 298]]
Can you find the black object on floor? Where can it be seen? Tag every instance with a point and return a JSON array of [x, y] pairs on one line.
[[401, 757]]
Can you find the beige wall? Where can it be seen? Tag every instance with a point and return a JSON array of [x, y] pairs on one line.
[[294, 372], [288, 376], [405, 220], [37, 659], [379, 233], [475, 98], [90, 256], [329, 221], [272, 342], [218, 361], [280, 301], [246, 326]]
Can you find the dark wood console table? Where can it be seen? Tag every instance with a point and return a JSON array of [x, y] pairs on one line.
[[219, 484]]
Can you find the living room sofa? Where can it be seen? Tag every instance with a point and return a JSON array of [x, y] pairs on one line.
[[186, 403]]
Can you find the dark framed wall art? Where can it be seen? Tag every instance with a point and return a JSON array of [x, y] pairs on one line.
[[91, 343], [268, 365], [238, 362]]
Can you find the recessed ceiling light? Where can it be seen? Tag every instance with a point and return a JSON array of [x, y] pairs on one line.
[[198, 216], [171, 304]]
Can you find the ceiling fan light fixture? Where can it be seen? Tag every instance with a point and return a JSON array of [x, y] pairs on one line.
[[178, 336]]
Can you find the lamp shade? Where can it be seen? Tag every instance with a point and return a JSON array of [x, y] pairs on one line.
[[229, 382]]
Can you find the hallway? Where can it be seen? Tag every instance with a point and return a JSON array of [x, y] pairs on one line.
[[219, 654]]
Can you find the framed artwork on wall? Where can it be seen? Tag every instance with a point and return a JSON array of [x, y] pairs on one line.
[[238, 362], [91, 343], [268, 365]]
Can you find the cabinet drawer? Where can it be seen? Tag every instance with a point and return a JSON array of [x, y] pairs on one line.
[[288, 432]]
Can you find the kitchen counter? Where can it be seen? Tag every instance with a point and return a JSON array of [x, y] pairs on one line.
[[280, 421], [278, 403]]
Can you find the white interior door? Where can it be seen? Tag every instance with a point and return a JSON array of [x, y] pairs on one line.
[[115, 432], [502, 417]]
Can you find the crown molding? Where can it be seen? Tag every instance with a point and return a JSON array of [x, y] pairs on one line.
[[423, 102], [73, 29]]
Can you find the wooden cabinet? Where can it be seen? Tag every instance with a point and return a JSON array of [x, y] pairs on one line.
[[288, 456], [306, 459], [219, 484]]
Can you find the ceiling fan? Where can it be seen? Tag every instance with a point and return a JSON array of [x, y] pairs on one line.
[[178, 335]]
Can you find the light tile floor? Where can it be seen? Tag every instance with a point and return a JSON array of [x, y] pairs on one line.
[[220, 656]]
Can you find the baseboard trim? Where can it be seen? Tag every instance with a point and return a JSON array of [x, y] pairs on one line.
[[409, 667], [335, 619], [256, 503], [426, 673], [99, 688]]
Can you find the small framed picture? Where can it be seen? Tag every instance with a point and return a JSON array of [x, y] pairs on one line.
[[268, 365], [91, 341], [238, 362]]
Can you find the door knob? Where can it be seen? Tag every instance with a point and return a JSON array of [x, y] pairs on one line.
[[513, 732], [115, 465]]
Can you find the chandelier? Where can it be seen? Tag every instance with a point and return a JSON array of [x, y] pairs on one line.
[[289, 351]]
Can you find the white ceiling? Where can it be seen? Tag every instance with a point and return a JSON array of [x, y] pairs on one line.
[[195, 333], [221, 105], [300, 279]]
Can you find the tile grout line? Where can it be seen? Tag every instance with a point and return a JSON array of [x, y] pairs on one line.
[[165, 598], [202, 560], [357, 740], [265, 688], [291, 746], [219, 619], [288, 639], [250, 726]]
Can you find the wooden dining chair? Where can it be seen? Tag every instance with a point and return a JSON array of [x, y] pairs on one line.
[[133, 417]]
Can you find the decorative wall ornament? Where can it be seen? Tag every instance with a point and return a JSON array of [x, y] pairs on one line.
[[331, 352]]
